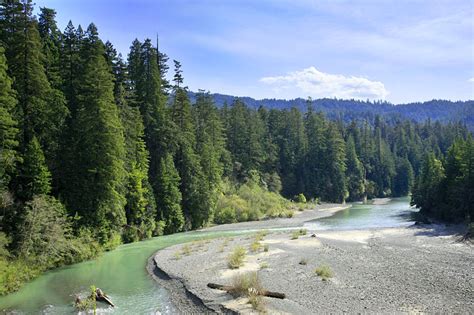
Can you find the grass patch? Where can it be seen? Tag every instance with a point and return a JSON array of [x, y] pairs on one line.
[[264, 265], [248, 285], [324, 271], [236, 258], [297, 233], [255, 246], [260, 235], [177, 256], [266, 247], [186, 250]]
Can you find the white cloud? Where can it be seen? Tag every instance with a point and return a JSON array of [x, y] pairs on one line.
[[317, 84], [471, 80]]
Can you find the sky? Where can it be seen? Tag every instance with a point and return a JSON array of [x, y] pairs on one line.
[[398, 51]]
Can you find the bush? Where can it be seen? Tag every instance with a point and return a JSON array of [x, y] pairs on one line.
[[236, 258], [265, 248], [250, 202], [300, 198], [324, 271], [303, 261]]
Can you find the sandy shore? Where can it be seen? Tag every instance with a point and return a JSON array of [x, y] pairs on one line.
[[420, 269]]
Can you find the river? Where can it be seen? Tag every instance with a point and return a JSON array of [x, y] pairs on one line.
[[122, 275]]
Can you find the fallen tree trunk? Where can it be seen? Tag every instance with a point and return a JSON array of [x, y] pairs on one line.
[[100, 296], [230, 289]]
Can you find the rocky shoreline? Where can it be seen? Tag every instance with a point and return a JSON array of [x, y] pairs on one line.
[[397, 270]]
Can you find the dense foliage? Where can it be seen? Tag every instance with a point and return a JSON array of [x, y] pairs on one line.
[[96, 150], [445, 187]]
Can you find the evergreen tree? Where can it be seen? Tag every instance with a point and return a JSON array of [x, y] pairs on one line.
[[94, 188], [354, 172], [147, 93], [335, 186], [34, 178], [140, 205], [41, 109], [51, 46], [403, 179], [8, 126], [210, 139], [196, 202], [169, 196], [426, 193]]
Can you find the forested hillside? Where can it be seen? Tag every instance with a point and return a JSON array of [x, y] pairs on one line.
[[347, 110], [97, 149]]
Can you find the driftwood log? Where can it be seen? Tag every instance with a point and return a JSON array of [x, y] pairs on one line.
[[100, 296], [229, 288]]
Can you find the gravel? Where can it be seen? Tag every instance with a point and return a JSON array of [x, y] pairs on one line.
[[417, 269]]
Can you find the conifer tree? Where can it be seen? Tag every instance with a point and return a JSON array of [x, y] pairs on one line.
[[197, 197], [210, 146], [42, 109], [140, 205], [8, 126], [354, 172], [34, 178], [95, 187], [51, 45], [169, 195], [403, 179], [335, 186]]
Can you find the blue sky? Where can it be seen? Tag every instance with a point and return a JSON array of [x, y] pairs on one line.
[[399, 51]]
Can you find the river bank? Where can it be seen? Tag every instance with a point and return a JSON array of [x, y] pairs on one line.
[[390, 270]]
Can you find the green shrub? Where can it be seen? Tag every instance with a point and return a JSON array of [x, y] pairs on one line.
[[236, 258], [265, 247], [263, 265], [303, 261], [249, 202], [300, 198], [324, 271]]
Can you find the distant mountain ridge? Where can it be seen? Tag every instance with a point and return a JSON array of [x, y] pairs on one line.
[[436, 110]]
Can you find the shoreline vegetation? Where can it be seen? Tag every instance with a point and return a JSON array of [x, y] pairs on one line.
[[335, 271], [99, 149]]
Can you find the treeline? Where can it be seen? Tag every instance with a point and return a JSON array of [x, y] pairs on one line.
[[445, 187], [96, 150], [443, 111], [331, 160]]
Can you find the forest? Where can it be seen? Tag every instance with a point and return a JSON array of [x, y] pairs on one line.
[[98, 150]]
